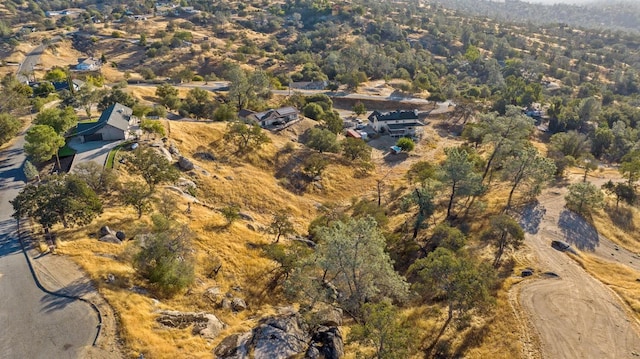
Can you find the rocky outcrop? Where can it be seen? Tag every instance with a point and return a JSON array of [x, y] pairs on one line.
[[284, 336], [205, 324]]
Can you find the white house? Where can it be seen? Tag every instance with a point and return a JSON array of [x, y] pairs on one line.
[[113, 125], [398, 123], [89, 64]]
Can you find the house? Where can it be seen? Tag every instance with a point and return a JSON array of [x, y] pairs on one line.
[[398, 123], [89, 64], [64, 85], [270, 118], [113, 125]]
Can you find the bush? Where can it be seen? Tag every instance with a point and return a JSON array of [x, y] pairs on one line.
[[166, 261], [406, 144]]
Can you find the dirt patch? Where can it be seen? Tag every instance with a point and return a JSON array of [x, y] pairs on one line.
[[576, 315]]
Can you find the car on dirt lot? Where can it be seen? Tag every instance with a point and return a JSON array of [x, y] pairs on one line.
[[560, 245]]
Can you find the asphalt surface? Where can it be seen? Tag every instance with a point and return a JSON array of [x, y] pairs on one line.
[[33, 324], [31, 60]]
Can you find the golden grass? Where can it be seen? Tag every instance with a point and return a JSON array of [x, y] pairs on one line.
[[620, 225], [250, 183], [620, 278]]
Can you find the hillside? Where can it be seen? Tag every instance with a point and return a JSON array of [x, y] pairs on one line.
[[517, 132]]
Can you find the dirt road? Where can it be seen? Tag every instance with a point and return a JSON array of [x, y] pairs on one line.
[[575, 315]]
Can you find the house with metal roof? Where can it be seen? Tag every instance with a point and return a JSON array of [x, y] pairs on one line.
[[398, 123], [114, 124]]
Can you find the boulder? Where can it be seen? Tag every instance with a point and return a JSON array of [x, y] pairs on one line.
[[204, 156], [164, 152], [233, 346], [110, 238], [121, 235], [174, 150], [245, 216], [185, 183], [251, 227], [238, 304], [206, 325], [104, 230], [185, 164], [139, 290], [279, 337], [229, 178], [226, 303], [330, 317], [328, 341]]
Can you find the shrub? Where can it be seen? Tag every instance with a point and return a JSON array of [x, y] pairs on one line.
[[166, 261]]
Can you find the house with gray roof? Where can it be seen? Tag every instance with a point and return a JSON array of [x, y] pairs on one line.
[[114, 124], [270, 118]]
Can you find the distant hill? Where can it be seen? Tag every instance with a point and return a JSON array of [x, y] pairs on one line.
[[613, 15]]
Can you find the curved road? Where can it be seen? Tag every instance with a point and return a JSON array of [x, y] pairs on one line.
[[575, 315], [33, 324]]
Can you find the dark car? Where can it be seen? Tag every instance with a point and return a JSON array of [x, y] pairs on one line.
[[560, 245]]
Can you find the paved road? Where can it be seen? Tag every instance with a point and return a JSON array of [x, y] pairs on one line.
[[33, 324], [31, 60]]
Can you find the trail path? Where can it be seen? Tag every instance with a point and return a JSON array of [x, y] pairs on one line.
[[575, 315]]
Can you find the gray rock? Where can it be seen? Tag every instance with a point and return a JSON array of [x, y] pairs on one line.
[[229, 178], [185, 164], [139, 290], [245, 216], [329, 342], [330, 317], [251, 227], [312, 353], [233, 346], [164, 152], [110, 238], [204, 156], [226, 303], [318, 185], [206, 325], [174, 150], [279, 337], [317, 178], [238, 304], [186, 183], [121, 235], [104, 230]]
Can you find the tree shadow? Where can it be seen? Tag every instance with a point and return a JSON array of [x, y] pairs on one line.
[[60, 299], [577, 231], [622, 217], [9, 243], [531, 216]]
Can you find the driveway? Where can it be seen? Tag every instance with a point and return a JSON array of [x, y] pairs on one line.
[[33, 324], [95, 151]]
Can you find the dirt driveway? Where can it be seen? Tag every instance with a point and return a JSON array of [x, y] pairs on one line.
[[575, 315]]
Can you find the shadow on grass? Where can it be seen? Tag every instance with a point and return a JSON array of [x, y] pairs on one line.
[[622, 217]]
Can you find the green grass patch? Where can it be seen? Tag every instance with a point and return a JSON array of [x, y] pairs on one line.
[[111, 157], [66, 151]]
